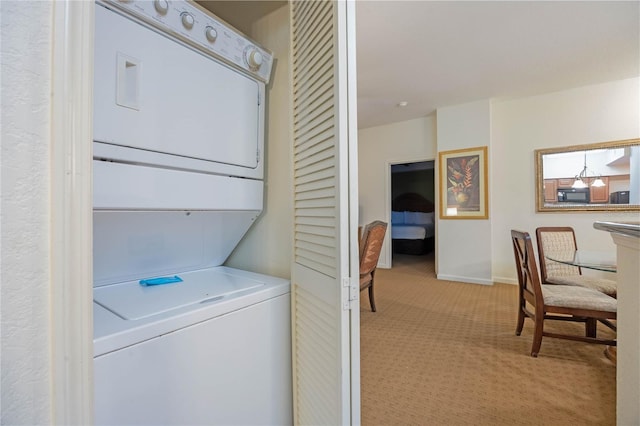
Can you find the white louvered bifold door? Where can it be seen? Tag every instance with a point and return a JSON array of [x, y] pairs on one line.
[[325, 322]]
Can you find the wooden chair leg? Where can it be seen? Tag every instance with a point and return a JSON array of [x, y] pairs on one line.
[[591, 327], [537, 335], [371, 301], [520, 321]]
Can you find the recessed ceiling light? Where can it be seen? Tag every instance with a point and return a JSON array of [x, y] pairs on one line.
[[402, 104]]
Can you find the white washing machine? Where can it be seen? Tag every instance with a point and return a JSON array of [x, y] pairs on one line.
[[178, 167]]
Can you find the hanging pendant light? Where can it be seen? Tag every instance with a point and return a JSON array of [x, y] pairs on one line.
[[580, 178], [579, 182], [598, 182]]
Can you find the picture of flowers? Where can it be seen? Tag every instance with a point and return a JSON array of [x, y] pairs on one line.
[[463, 184]]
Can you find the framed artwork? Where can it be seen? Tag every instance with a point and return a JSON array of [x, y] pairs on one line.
[[463, 184]]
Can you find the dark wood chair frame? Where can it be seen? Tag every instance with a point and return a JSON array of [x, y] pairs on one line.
[[530, 291]]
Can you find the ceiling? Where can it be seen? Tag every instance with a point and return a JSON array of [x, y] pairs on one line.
[[434, 54]]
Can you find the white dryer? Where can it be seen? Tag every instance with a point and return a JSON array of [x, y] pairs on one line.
[[178, 167]]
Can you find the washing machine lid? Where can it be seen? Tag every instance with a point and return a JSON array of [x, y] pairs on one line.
[[133, 301]]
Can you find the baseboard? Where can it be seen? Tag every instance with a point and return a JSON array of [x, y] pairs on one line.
[[505, 280], [468, 280]]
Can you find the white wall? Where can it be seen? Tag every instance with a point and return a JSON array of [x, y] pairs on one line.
[[267, 246], [464, 245], [479, 250], [598, 113], [378, 148], [25, 365]]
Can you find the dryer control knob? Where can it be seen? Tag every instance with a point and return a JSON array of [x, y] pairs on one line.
[[162, 6], [187, 20], [211, 34], [254, 59]]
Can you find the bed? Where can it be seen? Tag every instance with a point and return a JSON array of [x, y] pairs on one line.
[[412, 224]]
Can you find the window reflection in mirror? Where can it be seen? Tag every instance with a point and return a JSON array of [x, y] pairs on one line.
[[595, 177]]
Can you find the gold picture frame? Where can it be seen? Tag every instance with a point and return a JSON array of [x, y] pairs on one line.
[[463, 183], [617, 173]]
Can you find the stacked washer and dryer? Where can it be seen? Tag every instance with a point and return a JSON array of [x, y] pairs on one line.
[[178, 166]]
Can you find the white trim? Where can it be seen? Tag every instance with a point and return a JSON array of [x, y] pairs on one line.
[[461, 279], [345, 79], [71, 213], [505, 280], [354, 254]]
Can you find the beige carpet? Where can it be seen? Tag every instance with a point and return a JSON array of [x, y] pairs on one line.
[[446, 353]]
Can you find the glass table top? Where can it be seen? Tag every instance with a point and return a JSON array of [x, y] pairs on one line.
[[590, 259]]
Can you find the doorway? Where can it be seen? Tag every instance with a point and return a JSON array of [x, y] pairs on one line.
[[411, 204]]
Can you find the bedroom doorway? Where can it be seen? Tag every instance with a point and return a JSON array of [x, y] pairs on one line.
[[411, 205]]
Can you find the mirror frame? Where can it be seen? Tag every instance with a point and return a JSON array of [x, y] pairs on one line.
[[540, 205]]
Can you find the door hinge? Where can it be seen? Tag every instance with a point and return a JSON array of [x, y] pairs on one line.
[[350, 293]]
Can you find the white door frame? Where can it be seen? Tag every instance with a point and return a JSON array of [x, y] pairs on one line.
[[354, 254], [71, 213]]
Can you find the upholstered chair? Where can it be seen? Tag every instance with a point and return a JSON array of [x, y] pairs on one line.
[[542, 302], [371, 245], [559, 239]]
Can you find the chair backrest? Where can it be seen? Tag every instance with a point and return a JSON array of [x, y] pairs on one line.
[[526, 268], [372, 238], [555, 238]]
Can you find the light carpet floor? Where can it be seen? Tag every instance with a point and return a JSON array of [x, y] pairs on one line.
[[445, 353]]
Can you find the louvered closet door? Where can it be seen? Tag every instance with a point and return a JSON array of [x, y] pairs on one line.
[[326, 340]]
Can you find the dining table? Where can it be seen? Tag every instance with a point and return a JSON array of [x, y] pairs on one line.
[[599, 260]]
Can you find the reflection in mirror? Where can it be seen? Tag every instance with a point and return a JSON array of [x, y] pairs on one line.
[[595, 177]]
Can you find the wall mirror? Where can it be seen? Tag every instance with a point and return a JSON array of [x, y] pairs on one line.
[[595, 177]]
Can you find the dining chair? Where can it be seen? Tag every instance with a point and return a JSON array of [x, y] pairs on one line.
[[555, 301], [563, 238], [371, 245]]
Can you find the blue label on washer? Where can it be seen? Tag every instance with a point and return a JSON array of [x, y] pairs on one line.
[[161, 280]]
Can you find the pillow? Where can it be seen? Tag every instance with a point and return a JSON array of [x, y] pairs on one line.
[[410, 218], [418, 218], [430, 217], [397, 218]]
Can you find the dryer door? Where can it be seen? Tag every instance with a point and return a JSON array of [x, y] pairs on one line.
[[157, 95]]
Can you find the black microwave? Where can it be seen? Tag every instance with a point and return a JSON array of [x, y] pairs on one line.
[[573, 195]]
